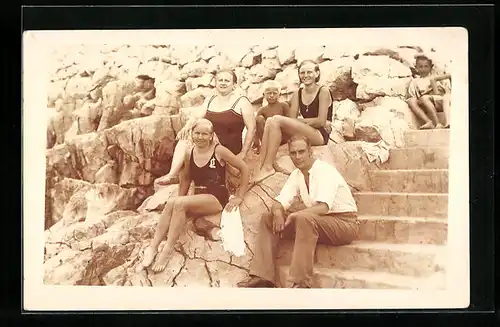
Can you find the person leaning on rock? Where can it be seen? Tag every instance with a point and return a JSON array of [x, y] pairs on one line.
[[326, 213], [144, 91]]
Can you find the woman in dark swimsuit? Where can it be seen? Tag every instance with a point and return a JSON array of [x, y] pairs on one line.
[[316, 108], [205, 166], [229, 113]]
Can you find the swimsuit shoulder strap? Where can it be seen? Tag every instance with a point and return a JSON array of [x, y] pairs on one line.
[[237, 100], [211, 99]]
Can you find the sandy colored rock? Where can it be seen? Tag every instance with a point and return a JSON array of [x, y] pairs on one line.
[[195, 97]]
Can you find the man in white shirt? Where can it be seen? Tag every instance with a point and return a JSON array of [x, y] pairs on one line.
[[315, 205]]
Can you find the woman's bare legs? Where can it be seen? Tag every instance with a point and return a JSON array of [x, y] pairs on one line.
[[197, 205], [413, 103], [271, 141], [161, 231]]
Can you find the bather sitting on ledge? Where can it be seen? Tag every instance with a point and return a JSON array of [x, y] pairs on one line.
[[315, 104], [205, 165]]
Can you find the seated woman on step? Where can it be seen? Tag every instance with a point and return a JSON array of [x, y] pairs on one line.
[[229, 112], [205, 166], [315, 104]]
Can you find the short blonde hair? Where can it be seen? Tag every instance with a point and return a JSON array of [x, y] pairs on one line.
[[271, 84]]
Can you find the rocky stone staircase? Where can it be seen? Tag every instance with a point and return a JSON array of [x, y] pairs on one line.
[[403, 230]]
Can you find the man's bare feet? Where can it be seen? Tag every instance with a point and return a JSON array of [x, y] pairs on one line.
[[149, 256], [163, 258], [263, 174], [428, 125], [446, 125]]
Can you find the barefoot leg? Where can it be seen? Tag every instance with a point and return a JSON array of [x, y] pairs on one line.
[[415, 107], [161, 231], [178, 158], [430, 108], [199, 204], [276, 126]]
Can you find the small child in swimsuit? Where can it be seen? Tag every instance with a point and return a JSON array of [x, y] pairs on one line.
[[274, 107]]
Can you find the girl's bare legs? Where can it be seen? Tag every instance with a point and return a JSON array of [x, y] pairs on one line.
[[198, 205], [271, 141], [431, 110], [415, 107]]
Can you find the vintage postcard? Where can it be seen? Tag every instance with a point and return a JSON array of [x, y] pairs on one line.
[[246, 169]]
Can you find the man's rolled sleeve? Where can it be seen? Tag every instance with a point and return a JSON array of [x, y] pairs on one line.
[[288, 192]]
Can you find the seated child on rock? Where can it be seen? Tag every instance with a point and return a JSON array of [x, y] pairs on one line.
[[273, 108], [429, 93]]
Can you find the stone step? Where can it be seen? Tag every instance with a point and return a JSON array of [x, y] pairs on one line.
[[427, 138], [410, 180], [409, 230], [402, 204], [418, 158], [336, 278], [403, 259]]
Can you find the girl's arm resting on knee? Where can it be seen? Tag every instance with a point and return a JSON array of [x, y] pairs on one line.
[[239, 164], [185, 177]]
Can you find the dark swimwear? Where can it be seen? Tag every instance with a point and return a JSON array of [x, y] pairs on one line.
[[228, 126], [312, 111], [210, 179]]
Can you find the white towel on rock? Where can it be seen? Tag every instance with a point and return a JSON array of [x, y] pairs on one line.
[[231, 232]]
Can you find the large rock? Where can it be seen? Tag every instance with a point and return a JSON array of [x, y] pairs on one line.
[[73, 200], [381, 123], [196, 97], [288, 79], [397, 105], [142, 148]]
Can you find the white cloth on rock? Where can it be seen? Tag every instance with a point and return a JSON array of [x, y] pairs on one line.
[[374, 151], [231, 232]]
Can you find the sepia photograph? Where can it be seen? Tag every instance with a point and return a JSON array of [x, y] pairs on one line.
[[241, 165]]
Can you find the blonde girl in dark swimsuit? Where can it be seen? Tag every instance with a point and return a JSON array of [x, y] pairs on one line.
[[205, 166], [229, 113], [315, 104]]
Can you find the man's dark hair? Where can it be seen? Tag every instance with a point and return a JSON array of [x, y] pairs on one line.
[[298, 138]]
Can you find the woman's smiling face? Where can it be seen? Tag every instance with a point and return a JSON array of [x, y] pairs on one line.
[[224, 83], [308, 73]]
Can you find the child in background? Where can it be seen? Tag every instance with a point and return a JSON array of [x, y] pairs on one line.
[[429, 93], [273, 108]]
